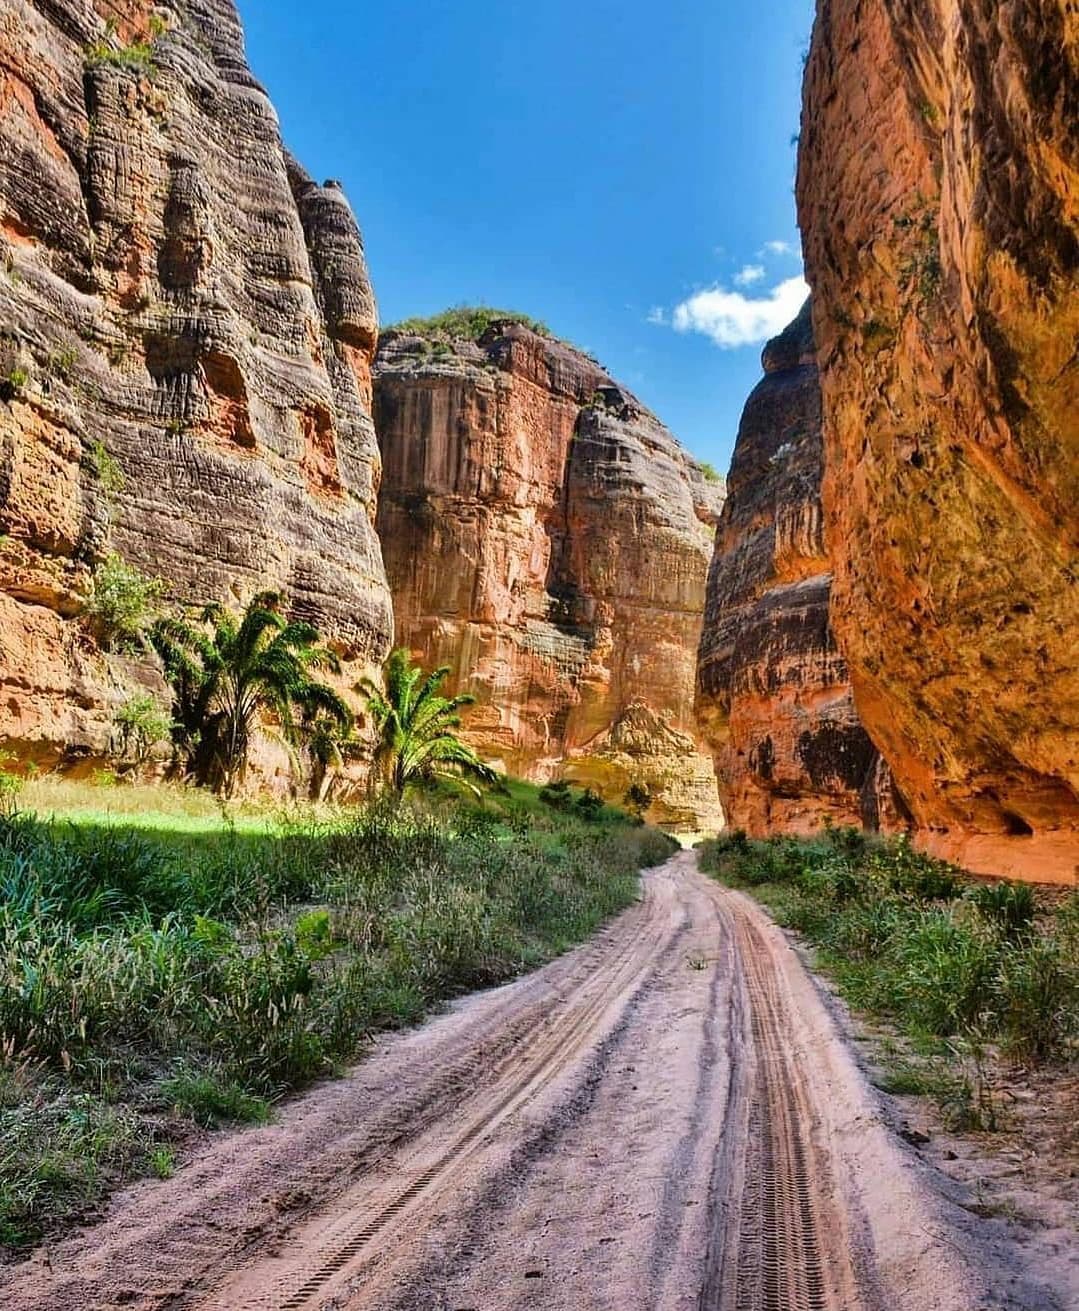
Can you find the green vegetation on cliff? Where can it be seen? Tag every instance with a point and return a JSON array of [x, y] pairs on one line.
[[189, 968], [469, 322], [967, 972]]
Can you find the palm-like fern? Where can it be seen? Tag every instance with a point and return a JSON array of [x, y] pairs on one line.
[[230, 669], [416, 726]]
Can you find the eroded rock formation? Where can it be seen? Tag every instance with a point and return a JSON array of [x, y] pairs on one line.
[[547, 538], [188, 329], [774, 694], [938, 195]]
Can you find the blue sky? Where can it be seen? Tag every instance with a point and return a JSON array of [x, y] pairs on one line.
[[621, 170]]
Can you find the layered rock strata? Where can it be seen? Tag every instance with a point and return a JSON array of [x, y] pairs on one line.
[[188, 334], [774, 693], [547, 538], [939, 194]]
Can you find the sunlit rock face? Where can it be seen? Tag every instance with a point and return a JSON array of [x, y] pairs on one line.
[[188, 329], [938, 194], [774, 693], [547, 538]]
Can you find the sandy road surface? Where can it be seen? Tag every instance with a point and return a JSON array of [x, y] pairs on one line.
[[664, 1118]]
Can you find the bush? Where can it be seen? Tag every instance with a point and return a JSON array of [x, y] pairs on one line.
[[467, 322], [589, 804], [124, 604], [141, 723], [1007, 906], [138, 55]]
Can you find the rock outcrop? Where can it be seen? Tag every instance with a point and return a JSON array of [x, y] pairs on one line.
[[547, 538], [774, 694], [938, 195], [186, 351]]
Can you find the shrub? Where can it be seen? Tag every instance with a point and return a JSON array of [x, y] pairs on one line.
[[138, 56], [589, 804], [1007, 906], [109, 474], [556, 795], [141, 723], [468, 322], [124, 604], [637, 799]]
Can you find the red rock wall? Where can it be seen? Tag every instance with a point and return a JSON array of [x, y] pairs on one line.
[[547, 538], [774, 693], [181, 302], [938, 193]]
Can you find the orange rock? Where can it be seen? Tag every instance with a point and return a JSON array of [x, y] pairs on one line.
[[938, 195], [774, 694], [188, 332], [547, 538]]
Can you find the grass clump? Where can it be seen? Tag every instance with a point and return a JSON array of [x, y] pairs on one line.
[[192, 969], [963, 968], [138, 56], [211, 1099], [468, 322]]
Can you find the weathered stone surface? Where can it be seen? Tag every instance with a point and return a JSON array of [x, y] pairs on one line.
[[938, 193], [774, 694], [179, 300], [547, 538]]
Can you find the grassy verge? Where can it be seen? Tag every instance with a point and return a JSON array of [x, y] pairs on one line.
[[964, 973], [175, 969]]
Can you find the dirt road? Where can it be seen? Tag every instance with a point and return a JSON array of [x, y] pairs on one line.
[[663, 1119]]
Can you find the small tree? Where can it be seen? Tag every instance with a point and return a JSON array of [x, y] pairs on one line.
[[416, 727], [637, 799], [141, 723], [227, 671]]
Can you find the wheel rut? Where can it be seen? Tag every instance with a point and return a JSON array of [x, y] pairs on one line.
[[334, 1250]]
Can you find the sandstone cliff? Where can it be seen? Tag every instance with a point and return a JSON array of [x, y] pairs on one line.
[[774, 694], [188, 333], [547, 538], [938, 195]]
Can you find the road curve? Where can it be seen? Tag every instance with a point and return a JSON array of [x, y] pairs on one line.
[[662, 1119]]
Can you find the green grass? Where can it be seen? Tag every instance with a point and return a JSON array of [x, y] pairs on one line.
[[966, 972], [467, 322], [170, 966], [139, 56]]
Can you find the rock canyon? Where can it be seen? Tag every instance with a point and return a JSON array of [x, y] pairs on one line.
[[193, 381]]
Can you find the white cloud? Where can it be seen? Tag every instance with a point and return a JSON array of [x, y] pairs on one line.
[[777, 248], [732, 319], [657, 314], [749, 274]]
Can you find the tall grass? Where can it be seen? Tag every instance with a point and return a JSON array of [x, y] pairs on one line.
[[151, 975], [908, 938]]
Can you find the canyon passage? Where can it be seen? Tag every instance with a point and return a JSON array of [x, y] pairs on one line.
[[856, 655]]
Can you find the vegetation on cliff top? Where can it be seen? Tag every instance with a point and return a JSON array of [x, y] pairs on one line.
[[190, 970], [967, 973], [469, 322]]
